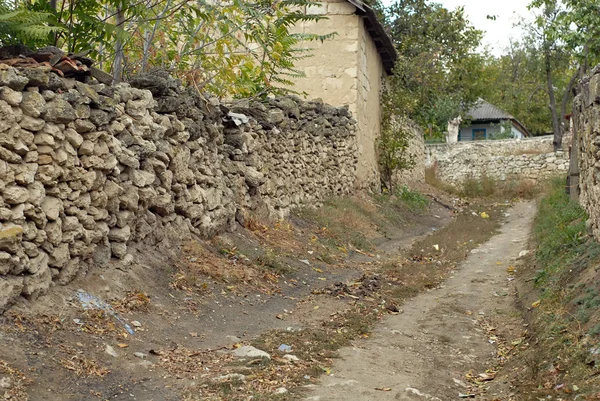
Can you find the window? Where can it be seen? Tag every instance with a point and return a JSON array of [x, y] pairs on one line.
[[479, 134]]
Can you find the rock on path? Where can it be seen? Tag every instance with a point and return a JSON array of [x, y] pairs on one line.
[[424, 353]]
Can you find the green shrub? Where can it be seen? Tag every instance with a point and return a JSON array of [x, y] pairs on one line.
[[413, 199]]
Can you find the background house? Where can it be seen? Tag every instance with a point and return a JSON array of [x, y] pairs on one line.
[[489, 122], [349, 70]]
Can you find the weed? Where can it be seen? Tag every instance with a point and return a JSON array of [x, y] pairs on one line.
[[271, 262], [431, 178], [326, 258], [413, 199], [483, 186], [595, 331]]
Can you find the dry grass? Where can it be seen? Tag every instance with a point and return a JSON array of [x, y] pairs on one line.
[[367, 299], [431, 178], [78, 363], [18, 381], [133, 301]]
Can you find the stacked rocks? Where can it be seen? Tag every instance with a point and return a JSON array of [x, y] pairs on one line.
[[530, 159], [586, 143], [86, 170]]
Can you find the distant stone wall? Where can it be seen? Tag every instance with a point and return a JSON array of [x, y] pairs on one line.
[[585, 171], [86, 170], [499, 159]]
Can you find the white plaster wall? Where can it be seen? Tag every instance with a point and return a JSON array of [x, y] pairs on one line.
[[346, 70], [332, 70]]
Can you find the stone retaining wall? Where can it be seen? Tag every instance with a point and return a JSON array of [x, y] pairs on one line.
[[585, 171], [531, 159], [86, 170]]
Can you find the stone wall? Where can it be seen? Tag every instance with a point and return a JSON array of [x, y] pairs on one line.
[[500, 159], [416, 153], [86, 170], [586, 146]]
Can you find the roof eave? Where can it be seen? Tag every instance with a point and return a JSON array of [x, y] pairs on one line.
[[383, 42]]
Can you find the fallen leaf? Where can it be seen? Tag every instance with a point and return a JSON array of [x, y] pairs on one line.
[[511, 269], [536, 303], [383, 389], [484, 215], [122, 345]]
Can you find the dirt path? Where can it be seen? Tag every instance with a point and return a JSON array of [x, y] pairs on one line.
[[425, 352]]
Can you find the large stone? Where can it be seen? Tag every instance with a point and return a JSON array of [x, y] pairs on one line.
[[10, 238], [142, 178], [10, 96], [119, 234], [38, 263], [248, 351], [68, 273], [13, 195], [9, 155], [60, 111], [118, 249], [33, 104], [37, 284], [59, 257], [254, 178], [10, 289], [10, 78], [32, 124], [52, 207]]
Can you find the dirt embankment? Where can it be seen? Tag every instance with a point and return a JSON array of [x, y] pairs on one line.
[[163, 327]]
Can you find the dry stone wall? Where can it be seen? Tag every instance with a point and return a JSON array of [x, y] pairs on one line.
[[85, 170], [530, 159], [586, 148]]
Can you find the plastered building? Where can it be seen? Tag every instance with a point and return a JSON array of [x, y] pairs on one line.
[[349, 70]]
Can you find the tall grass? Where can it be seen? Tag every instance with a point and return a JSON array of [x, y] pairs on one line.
[[560, 232]]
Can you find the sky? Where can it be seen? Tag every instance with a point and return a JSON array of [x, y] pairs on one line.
[[498, 32]]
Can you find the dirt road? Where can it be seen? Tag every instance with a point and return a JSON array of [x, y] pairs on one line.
[[425, 352]]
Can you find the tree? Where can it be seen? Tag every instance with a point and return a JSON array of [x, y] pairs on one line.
[[18, 25], [437, 70], [567, 32], [229, 48]]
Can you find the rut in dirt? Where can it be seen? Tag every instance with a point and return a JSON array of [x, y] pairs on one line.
[[426, 352]]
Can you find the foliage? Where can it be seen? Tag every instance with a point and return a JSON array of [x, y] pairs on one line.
[[504, 130], [437, 73], [516, 84], [230, 48], [21, 26], [413, 199], [393, 144], [559, 230]]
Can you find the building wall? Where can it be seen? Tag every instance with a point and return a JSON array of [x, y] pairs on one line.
[[346, 70], [491, 129], [466, 132], [332, 70], [370, 73]]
